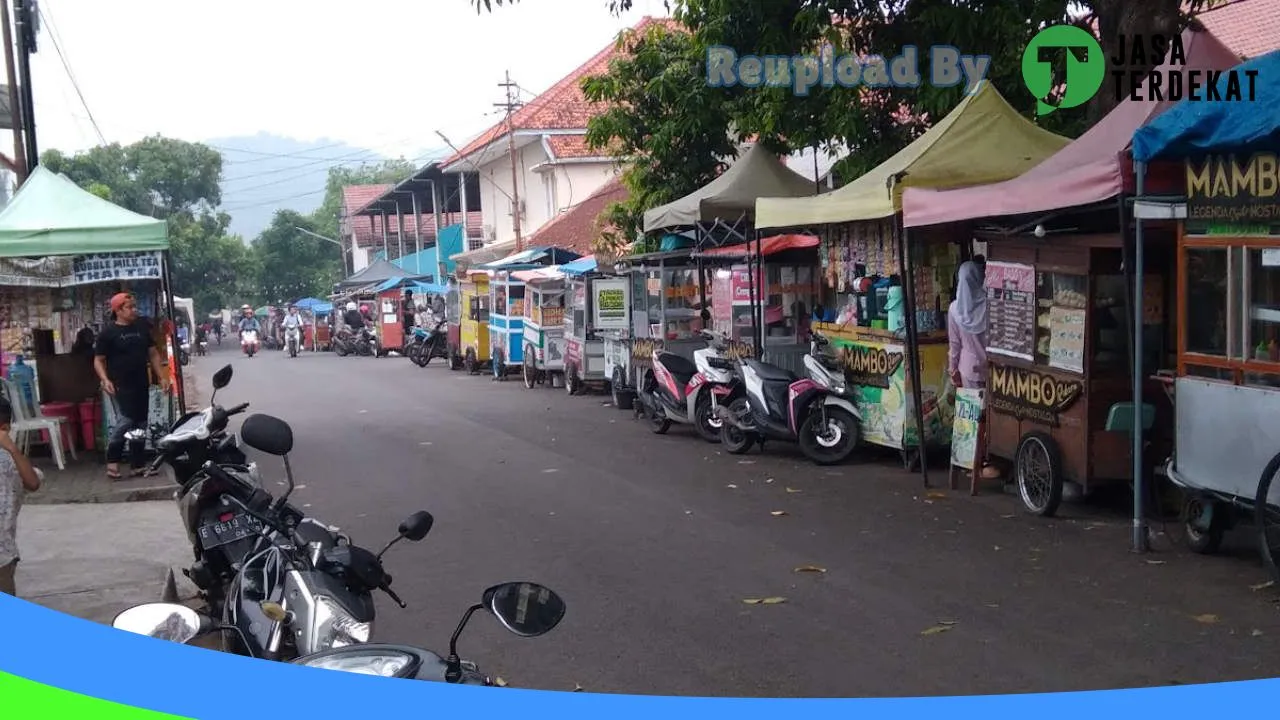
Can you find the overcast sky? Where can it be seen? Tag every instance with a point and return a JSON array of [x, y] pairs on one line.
[[377, 74]]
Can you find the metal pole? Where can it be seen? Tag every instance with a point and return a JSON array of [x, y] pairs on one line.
[[386, 251], [399, 231], [166, 280], [759, 253], [26, 38], [1140, 538], [911, 350], [15, 101], [417, 225], [466, 229]]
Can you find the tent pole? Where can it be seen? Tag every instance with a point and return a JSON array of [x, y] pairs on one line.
[[705, 313], [912, 349], [166, 280], [759, 272], [1140, 538]]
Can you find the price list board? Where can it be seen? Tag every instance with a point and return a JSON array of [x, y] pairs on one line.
[[1011, 309]]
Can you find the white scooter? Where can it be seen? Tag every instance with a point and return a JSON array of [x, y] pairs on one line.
[[249, 342], [292, 341]]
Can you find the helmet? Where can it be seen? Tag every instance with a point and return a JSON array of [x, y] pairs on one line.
[[351, 305]]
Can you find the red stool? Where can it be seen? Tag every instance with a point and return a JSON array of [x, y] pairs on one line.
[[69, 415], [89, 414]]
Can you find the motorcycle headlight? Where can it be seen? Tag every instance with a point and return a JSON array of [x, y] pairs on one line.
[[383, 663], [333, 627]]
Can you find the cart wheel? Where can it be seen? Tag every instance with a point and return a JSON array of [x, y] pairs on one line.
[[1267, 518], [1038, 468], [618, 388], [1204, 523], [529, 371], [455, 360], [499, 365], [571, 382], [469, 362]]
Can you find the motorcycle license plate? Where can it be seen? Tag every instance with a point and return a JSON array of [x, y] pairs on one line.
[[239, 527]]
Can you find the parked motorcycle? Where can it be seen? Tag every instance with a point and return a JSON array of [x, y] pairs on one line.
[[249, 342], [429, 344], [817, 411], [184, 354], [526, 609], [293, 340], [677, 390], [361, 342]]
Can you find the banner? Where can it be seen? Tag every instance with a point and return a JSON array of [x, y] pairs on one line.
[[104, 267], [609, 311], [1234, 189], [964, 428]]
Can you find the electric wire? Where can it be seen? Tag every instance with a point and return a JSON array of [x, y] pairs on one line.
[[66, 67]]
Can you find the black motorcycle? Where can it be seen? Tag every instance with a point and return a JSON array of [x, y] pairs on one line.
[[524, 608], [427, 345], [360, 342]]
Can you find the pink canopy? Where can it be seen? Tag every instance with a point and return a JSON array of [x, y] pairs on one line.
[[1089, 170]]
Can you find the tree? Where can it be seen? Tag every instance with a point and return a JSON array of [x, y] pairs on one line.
[[290, 264], [208, 265], [673, 134], [325, 217]]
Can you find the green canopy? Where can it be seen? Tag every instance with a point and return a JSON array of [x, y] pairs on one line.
[[51, 215]]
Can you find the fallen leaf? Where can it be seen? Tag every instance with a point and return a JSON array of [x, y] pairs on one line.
[[688, 512], [424, 443], [362, 412], [1262, 586], [778, 513], [731, 486], [770, 480], [577, 687], [765, 601], [936, 630], [499, 682], [1155, 562], [746, 462], [1256, 633], [948, 622], [996, 548], [810, 569], [1008, 517], [300, 487], [551, 470], [794, 491], [936, 495], [1207, 618], [992, 605]]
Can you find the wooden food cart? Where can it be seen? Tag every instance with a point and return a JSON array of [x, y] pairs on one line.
[[544, 341], [473, 320], [597, 304]]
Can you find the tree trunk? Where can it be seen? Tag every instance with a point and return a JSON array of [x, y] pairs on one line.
[[1129, 19]]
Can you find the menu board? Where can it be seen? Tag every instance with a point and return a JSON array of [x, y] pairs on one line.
[[1011, 309], [1066, 338]]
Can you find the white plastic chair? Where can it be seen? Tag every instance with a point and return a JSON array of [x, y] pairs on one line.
[[25, 425]]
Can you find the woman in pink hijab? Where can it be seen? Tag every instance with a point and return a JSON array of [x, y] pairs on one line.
[[967, 329]]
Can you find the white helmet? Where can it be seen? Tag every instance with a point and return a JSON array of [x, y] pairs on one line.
[[351, 305]]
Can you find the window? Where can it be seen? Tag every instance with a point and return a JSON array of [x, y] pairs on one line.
[[1205, 324], [549, 192], [1263, 288], [480, 308]]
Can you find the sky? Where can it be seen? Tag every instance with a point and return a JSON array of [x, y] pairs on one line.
[[384, 75]]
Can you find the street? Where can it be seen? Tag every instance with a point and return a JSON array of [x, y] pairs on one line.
[[656, 541]]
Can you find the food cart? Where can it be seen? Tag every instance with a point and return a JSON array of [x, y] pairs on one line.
[[544, 341], [1061, 314], [389, 322], [598, 304], [1228, 306], [473, 321], [507, 303]]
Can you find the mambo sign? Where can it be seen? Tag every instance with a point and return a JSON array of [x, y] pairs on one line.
[[1229, 189], [1029, 395], [869, 367]]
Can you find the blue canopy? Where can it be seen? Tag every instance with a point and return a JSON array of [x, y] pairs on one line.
[[323, 308], [533, 256], [419, 264], [449, 242], [390, 284], [308, 303], [581, 266], [1194, 128], [429, 288]]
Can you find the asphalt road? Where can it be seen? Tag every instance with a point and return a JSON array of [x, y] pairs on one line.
[[655, 542]]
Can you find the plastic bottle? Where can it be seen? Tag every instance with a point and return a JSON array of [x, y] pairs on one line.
[[23, 377]]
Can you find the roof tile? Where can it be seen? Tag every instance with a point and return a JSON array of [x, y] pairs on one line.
[[1248, 27], [575, 229]]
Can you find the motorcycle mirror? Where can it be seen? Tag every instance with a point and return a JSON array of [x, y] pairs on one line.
[[222, 378], [165, 621], [269, 434], [526, 609], [416, 526]]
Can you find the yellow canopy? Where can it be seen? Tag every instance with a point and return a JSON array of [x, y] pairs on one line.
[[983, 140]]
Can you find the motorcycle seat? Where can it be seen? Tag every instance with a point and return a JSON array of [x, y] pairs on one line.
[[681, 368], [770, 372]]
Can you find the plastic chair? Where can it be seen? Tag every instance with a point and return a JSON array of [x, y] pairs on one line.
[[25, 424]]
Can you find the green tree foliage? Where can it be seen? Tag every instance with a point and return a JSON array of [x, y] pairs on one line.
[[290, 264], [388, 171]]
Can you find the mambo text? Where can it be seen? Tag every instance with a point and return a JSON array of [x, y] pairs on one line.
[[1029, 395], [1173, 81], [1227, 189], [948, 67], [869, 367]]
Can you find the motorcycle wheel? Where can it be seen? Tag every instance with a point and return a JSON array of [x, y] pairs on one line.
[[735, 440], [426, 353], [658, 421], [833, 444], [469, 363], [571, 382], [705, 420], [530, 370], [340, 349]]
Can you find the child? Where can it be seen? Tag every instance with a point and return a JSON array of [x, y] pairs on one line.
[[17, 475]]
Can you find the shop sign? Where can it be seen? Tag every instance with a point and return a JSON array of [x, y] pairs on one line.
[[1232, 189], [964, 427], [104, 267], [609, 311], [737, 350], [642, 349], [869, 366], [1030, 395]]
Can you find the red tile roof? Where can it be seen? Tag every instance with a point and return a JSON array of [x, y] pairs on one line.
[[575, 229], [355, 197], [565, 147], [368, 229], [1249, 28], [562, 106]]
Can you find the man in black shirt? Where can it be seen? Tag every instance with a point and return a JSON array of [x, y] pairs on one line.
[[122, 354], [353, 317]]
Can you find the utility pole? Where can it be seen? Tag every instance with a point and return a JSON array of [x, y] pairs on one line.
[[512, 102], [27, 29], [15, 109]]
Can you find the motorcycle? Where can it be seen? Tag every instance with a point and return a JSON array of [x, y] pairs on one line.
[[690, 393], [817, 411], [184, 354], [293, 340], [249, 342], [361, 342], [525, 609], [428, 345]]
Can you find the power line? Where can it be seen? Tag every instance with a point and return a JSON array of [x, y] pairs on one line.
[[299, 196], [66, 66], [277, 171]]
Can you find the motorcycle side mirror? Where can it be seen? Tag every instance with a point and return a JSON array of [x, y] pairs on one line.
[[526, 609], [222, 378], [416, 526], [164, 621], [269, 434]]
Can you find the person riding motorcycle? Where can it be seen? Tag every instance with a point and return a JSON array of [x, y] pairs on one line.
[[353, 318], [292, 320], [248, 321]]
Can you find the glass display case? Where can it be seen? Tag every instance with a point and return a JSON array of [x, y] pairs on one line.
[[1062, 303]]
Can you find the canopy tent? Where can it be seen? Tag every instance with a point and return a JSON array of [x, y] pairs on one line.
[[391, 283], [307, 303], [764, 247], [377, 273], [1192, 128], [579, 267], [323, 308], [422, 288], [536, 275], [532, 256], [486, 254], [1089, 170], [982, 140], [51, 215], [758, 173]]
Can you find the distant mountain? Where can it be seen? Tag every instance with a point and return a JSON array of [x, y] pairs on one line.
[[264, 173]]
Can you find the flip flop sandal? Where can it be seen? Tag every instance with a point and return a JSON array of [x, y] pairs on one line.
[[114, 475]]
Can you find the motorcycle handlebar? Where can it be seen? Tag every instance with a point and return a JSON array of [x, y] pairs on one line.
[[238, 409]]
